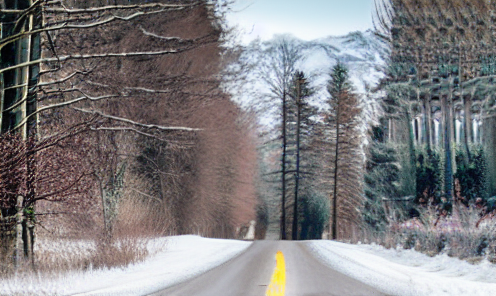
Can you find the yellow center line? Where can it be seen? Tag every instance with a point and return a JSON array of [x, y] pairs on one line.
[[277, 284]]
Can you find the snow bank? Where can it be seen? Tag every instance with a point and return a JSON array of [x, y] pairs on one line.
[[183, 258], [406, 272]]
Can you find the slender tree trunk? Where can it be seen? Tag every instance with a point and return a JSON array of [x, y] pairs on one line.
[[294, 231], [467, 124], [411, 186], [336, 166], [283, 177], [452, 122], [29, 224], [18, 255], [442, 122], [448, 166], [467, 104], [427, 123], [104, 211]]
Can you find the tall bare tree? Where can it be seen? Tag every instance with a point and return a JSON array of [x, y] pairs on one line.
[[277, 72]]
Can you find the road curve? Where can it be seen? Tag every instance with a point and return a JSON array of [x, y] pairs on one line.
[[250, 273]]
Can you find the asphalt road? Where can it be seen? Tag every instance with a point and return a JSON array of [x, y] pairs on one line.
[[250, 273]]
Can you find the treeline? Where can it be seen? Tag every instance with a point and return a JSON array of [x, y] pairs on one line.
[[133, 133], [435, 141], [311, 155]]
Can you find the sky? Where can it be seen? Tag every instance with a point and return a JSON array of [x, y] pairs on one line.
[[307, 20]]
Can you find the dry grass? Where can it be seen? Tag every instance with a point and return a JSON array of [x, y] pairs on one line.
[[75, 248], [455, 236]]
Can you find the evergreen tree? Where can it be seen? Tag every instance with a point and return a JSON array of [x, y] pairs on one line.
[[382, 179], [299, 131], [345, 158], [470, 177]]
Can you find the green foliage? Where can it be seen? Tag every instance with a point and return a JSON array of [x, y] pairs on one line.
[[382, 179], [339, 81], [314, 214], [30, 214], [471, 173], [428, 176]]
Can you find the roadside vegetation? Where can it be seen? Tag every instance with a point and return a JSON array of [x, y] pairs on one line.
[[115, 130], [430, 174]]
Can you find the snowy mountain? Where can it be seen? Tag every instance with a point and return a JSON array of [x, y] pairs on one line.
[[362, 52]]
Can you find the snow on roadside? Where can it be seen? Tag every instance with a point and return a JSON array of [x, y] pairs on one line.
[[184, 257], [406, 272]]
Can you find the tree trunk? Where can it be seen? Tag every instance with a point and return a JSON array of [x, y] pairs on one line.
[[428, 123], [294, 231], [18, 251], [448, 166], [467, 104], [410, 185], [283, 177], [336, 166], [467, 124], [104, 210]]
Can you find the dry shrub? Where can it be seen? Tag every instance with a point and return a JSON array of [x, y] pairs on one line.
[[78, 241], [119, 252], [455, 236], [63, 255], [141, 218]]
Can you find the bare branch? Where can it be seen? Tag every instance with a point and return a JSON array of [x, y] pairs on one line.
[[150, 126], [121, 7], [56, 192], [130, 129], [93, 56], [63, 104], [62, 80], [161, 37], [65, 26], [146, 195]]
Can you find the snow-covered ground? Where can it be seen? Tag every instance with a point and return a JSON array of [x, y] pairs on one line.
[[394, 272], [406, 272], [182, 258]]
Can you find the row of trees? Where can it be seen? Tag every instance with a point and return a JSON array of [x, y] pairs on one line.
[[438, 90], [120, 101], [318, 181]]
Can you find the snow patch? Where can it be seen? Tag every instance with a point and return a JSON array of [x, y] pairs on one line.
[[407, 272]]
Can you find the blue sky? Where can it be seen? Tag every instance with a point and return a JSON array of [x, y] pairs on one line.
[[307, 20]]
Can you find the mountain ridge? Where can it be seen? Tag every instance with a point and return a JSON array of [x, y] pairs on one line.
[[362, 52]]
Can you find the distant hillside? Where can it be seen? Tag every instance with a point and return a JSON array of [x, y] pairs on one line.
[[362, 52]]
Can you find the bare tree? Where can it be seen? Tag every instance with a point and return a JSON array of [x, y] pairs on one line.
[[277, 72], [114, 81]]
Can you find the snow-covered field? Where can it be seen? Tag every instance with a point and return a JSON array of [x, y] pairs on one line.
[[182, 258], [406, 272]]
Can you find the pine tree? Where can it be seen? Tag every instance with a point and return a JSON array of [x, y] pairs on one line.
[[299, 132], [345, 158], [382, 178]]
